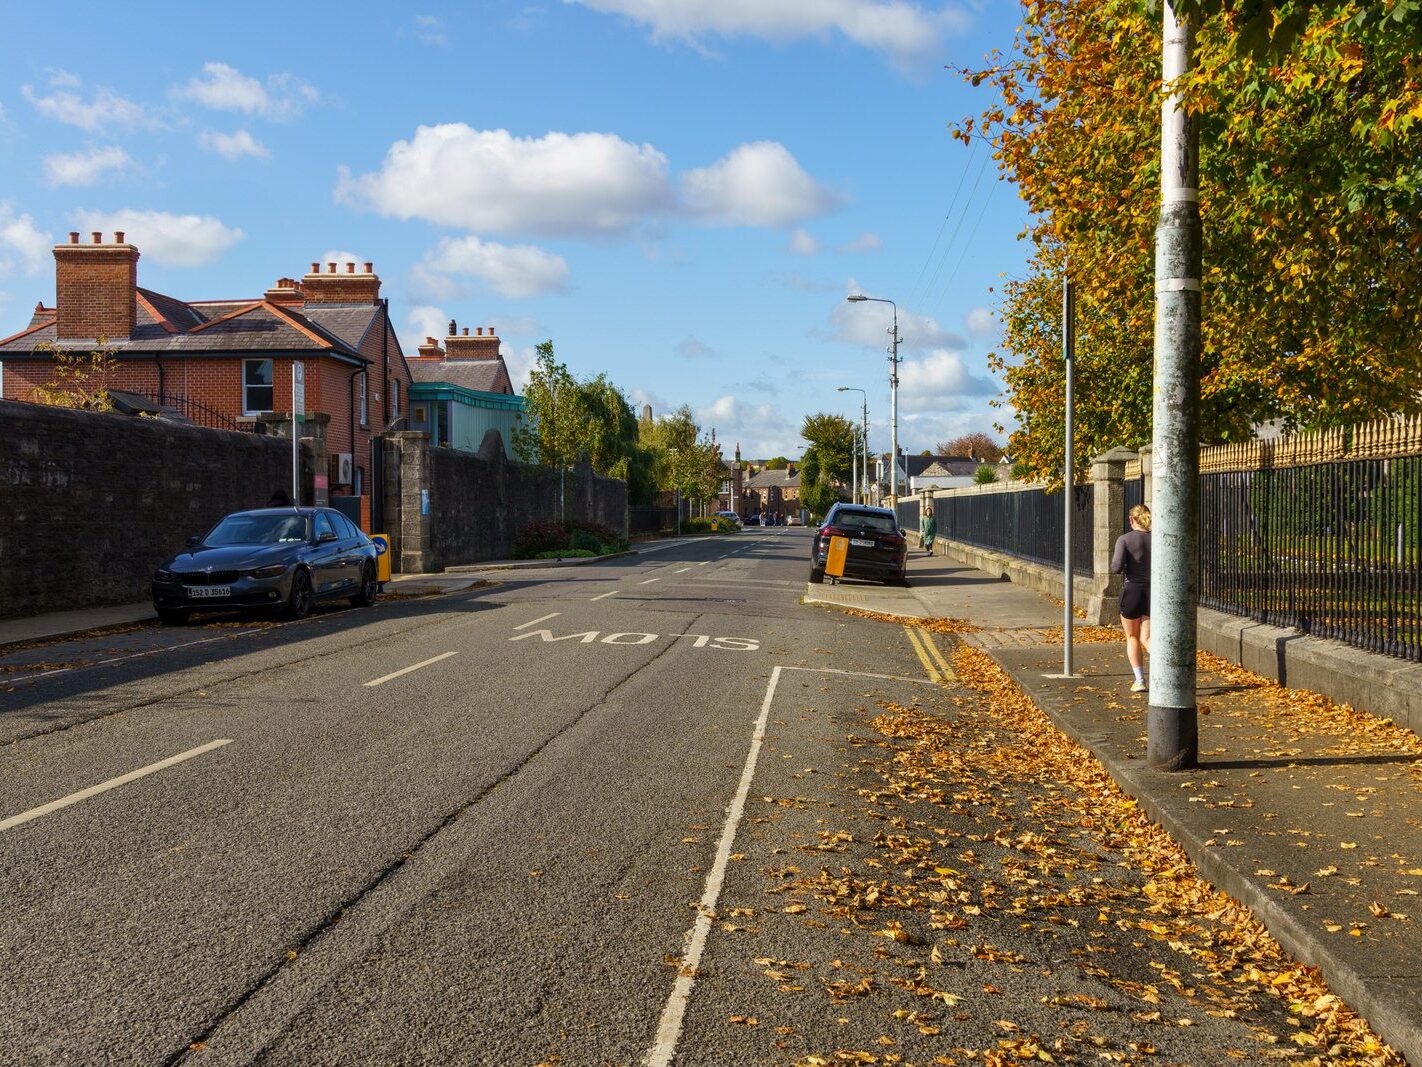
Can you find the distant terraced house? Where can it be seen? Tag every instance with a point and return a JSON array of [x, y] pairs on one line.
[[223, 363]]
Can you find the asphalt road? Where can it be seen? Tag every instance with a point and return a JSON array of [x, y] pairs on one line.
[[545, 821]]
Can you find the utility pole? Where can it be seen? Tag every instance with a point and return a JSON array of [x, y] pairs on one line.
[[1172, 731], [1069, 476], [855, 298]]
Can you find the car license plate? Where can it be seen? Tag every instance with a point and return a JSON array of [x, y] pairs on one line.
[[861, 542], [197, 592]]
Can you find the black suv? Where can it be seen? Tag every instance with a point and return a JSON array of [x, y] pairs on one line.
[[877, 548]]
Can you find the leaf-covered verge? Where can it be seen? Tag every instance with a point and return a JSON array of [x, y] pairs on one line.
[[975, 889], [1311, 202]]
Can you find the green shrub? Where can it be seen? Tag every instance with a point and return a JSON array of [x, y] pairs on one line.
[[566, 553], [584, 541]]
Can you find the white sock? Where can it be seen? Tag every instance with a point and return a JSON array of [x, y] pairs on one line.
[[1139, 676]]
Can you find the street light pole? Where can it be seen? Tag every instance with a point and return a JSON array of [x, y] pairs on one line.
[[855, 298], [1172, 731], [863, 435]]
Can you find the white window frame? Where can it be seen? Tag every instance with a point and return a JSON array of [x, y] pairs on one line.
[[364, 396], [394, 398], [246, 409]]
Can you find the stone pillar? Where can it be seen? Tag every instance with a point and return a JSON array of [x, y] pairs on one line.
[[416, 547], [1147, 475], [1108, 477], [390, 470]]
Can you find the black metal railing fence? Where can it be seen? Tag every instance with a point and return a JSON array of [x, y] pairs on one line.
[[650, 519], [908, 513], [1332, 549], [1027, 523]]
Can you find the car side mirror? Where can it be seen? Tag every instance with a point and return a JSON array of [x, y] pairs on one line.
[[324, 536], [192, 542]]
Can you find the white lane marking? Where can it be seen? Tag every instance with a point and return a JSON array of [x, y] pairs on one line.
[[703, 563], [669, 1029], [649, 581], [863, 674], [104, 787], [412, 667], [535, 622], [601, 596], [683, 570]]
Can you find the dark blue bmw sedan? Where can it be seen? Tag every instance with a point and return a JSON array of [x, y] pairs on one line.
[[284, 559]]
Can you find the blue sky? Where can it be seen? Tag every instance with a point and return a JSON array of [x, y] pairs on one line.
[[679, 193]]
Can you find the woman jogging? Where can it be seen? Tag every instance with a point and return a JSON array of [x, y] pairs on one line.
[[1132, 558]]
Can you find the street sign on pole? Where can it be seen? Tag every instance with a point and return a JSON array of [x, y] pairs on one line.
[[298, 408]]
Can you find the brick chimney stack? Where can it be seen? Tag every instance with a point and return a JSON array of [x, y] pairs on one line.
[[349, 286], [483, 345], [431, 350], [286, 292], [96, 288]]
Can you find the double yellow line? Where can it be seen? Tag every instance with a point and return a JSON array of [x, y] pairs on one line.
[[938, 668]]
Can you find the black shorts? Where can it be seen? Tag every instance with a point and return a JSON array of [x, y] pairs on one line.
[[1135, 601]]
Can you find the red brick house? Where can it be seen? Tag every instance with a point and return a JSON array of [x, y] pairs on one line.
[[225, 362]]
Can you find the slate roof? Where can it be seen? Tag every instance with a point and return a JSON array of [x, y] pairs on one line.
[[782, 478], [169, 326], [482, 375], [949, 467]]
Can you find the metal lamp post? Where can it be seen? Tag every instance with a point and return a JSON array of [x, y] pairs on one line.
[[864, 435], [855, 298]]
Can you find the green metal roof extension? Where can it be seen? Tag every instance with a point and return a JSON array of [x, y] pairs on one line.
[[474, 398]]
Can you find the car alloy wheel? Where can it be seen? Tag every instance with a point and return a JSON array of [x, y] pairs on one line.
[[369, 588], [298, 605]]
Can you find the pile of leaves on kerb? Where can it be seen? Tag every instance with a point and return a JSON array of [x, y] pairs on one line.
[[1020, 908], [938, 626]]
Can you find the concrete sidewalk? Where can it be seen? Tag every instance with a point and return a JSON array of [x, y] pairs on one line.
[[1305, 810]]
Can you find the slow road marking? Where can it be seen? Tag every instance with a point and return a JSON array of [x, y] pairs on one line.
[[104, 787], [669, 1028], [406, 670], [637, 637]]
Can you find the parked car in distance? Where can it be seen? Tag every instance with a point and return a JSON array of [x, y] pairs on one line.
[[282, 559], [752, 520], [730, 516], [794, 520], [878, 549]]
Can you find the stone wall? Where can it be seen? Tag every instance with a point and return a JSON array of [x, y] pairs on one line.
[[90, 503], [445, 507]]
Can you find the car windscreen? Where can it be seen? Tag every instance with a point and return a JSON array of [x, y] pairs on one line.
[[865, 520], [258, 530]]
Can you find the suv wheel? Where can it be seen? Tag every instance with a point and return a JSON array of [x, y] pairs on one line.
[[817, 575], [369, 588], [298, 604]]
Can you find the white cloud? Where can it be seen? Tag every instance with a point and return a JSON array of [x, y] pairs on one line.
[[511, 270], [908, 33], [980, 322], [63, 79], [84, 168], [938, 381], [24, 247], [517, 325], [425, 320], [225, 88], [865, 242], [868, 323], [233, 145], [520, 363], [575, 184], [340, 259], [430, 30], [694, 348], [763, 430], [454, 175], [803, 243], [172, 240], [757, 184], [104, 113]]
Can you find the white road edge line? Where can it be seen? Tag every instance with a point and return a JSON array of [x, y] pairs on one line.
[[412, 667], [601, 596], [104, 787], [649, 581], [535, 622], [683, 570], [669, 1028], [863, 674]]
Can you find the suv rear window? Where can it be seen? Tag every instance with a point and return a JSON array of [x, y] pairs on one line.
[[865, 520]]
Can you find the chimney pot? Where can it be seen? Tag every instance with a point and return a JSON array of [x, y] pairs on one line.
[[74, 237], [330, 268], [118, 237], [452, 328], [478, 331], [98, 237], [430, 341], [350, 268], [315, 268], [466, 331], [370, 268]]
